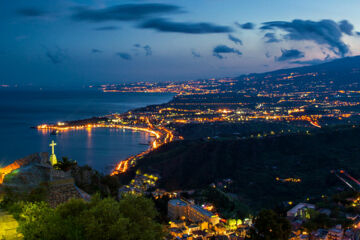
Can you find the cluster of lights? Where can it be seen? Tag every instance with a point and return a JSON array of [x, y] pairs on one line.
[[162, 136]]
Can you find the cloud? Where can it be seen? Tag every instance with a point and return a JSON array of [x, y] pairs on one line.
[[267, 54], [125, 12], [30, 12], [148, 51], [147, 48], [106, 28], [124, 55], [289, 55], [235, 39], [346, 27], [314, 61], [271, 38], [165, 25], [94, 50], [246, 26], [195, 54], [357, 33], [324, 32], [223, 49], [56, 55], [311, 62]]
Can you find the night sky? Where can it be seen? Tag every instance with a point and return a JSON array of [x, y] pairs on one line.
[[61, 43]]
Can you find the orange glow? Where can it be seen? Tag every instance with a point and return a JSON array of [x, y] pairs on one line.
[[162, 135], [8, 169]]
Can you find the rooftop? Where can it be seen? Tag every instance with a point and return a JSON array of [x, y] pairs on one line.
[[202, 211], [300, 206], [177, 202]]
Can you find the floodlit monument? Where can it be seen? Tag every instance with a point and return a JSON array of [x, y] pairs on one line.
[[53, 159]]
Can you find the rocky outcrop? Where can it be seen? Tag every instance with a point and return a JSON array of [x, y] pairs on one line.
[[35, 170], [30, 173]]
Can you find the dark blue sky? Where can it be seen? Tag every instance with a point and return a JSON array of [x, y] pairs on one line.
[[83, 42]]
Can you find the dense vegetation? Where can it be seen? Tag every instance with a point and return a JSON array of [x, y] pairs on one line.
[[224, 130], [254, 164], [133, 217], [268, 226]]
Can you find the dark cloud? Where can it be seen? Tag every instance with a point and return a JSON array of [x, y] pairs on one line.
[[124, 55], [267, 54], [271, 38], [106, 28], [56, 55], [235, 39], [223, 49], [30, 12], [195, 54], [125, 12], [357, 33], [94, 50], [165, 25], [147, 48], [324, 32], [247, 26], [346, 27], [289, 55]]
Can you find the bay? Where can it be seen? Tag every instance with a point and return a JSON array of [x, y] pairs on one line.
[[98, 148]]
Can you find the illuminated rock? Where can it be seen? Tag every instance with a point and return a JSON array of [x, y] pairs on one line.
[[27, 173]]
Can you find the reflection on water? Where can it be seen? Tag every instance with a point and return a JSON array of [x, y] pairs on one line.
[[19, 110], [100, 148]]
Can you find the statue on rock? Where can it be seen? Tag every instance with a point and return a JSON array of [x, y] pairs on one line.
[[53, 159]]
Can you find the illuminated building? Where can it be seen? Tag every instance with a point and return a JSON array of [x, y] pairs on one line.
[[300, 210], [178, 208], [335, 233]]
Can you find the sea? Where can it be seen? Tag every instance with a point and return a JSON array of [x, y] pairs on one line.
[[100, 148]]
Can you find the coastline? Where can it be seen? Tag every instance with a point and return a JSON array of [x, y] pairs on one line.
[[162, 134], [101, 150]]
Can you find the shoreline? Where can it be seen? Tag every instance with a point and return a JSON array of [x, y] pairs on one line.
[[162, 134], [123, 165], [158, 136]]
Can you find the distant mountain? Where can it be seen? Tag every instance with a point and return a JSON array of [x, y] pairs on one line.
[[338, 74], [347, 64]]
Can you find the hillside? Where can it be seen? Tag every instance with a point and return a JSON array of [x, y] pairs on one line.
[[254, 165], [342, 73], [346, 64]]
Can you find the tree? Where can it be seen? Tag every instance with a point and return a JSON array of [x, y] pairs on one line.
[[317, 220], [65, 164], [268, 225], [132, 218]]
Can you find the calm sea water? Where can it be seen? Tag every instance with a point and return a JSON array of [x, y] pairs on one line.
[[99, 148]]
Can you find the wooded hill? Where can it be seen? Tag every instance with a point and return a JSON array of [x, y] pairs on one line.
[[254, 164]]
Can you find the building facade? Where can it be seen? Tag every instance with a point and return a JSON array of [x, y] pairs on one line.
[[178, 208]]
